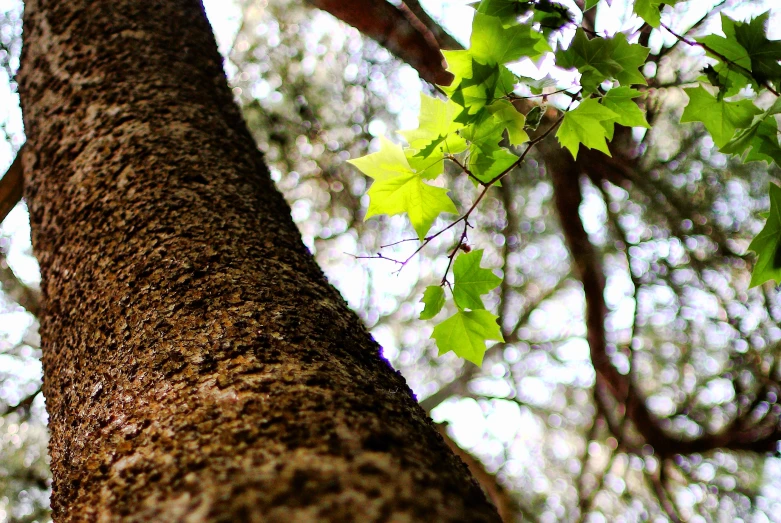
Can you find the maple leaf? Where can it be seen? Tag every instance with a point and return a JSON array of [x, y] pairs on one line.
[[767, 244], [472, 281], [407, 193], [649, 10], [465, 333], [388, 162], [583, 125], [492, 43], [720, 117], [620, 100], [436, 124], [433, 301]]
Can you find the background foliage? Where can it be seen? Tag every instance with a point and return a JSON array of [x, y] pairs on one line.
[[670, 230]]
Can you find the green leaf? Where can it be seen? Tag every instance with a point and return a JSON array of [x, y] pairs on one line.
[[386, 163], [598, 59], [435, 137], [765, 145], [491, 43], [433, 301], [435, 122], [763, 54], [407, 193], [472, 281], [727, 78], [391, 161], [537, 86], [459, 63], [588, 4], [768, 243], [762, 131], [592, 58], [620, 100], [552, 15], [491, 124], [583, 125], [507, 11], [720, 117], [466, 332], [534, 117], [746, 45], [398, 189], [506, 116], [649, 10], [489, 161], [727, 45], [631, 57], [476, 84]]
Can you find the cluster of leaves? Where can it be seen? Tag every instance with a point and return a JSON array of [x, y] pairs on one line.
[[729, 100], [480, 126]]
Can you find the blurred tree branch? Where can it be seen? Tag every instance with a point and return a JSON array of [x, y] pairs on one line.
[[613, 390], [11, 186], [19, 292], [505, 504]]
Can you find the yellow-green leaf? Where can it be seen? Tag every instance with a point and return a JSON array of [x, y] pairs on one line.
[[386, 163], [436, 123], [408, 193]]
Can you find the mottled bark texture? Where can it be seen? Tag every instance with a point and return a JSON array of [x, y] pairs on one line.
[[197, 365]]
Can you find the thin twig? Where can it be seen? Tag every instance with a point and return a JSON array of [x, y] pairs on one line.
[[564, 90], [486, 185], [721, 57], [379, 256], [400, 241]]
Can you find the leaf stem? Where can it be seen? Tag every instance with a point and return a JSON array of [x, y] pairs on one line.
[[721, 57]]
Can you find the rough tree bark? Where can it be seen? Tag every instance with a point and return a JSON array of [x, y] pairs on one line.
[[197, 365]]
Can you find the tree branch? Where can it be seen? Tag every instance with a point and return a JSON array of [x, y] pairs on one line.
[[11, 186], [446, 41], [740, 435], [25, 296], [395, 28], [505, 504], [24, 404]]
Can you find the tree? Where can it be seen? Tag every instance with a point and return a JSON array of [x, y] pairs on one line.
[[645, 211], [197, 364], [467, 130]]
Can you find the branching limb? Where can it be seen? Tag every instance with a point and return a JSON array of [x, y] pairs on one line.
[[395, 28]]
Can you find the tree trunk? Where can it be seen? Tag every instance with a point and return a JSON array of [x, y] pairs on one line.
[[197, 364]]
